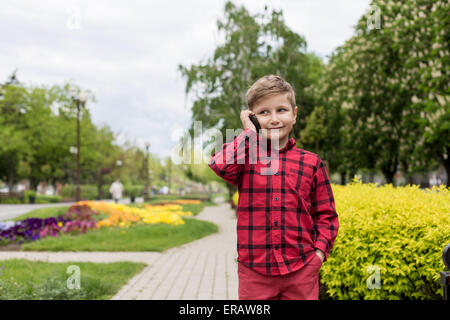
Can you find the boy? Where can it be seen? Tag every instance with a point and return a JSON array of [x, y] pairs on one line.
[[287, 222]]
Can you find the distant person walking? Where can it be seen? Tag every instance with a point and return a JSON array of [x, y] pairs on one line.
[[116, 190]]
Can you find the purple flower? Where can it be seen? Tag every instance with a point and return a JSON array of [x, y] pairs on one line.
[[78, 219]]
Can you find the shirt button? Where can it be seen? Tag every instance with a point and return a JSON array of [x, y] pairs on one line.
[[276, 198], [276, 223], [277, 247], [276, 173]]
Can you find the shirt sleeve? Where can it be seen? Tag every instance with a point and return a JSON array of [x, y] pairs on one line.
[[323, 210], [228, 162]]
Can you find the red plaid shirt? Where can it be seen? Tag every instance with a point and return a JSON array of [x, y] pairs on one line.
[[282, 215]]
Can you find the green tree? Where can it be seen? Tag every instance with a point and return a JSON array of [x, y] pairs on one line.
[[316, 129], [38, 128], [14, 149]]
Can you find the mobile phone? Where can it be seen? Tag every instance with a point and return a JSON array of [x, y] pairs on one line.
[[255, 122]]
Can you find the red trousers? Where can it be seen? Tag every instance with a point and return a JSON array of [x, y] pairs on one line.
[[302, 284]]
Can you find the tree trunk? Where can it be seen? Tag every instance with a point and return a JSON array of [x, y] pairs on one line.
[[99, 185], [388, 175], [11, 177], [390, 169], [409, 179], [352, 174], [343, 173], [408, 175]]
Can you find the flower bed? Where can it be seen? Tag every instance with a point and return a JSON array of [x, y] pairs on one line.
[[181, 201], [77, 219], [123, 216], [87, 215]]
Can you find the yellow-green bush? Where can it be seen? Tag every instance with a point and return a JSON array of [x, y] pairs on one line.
[[400, 231], [235, 198]]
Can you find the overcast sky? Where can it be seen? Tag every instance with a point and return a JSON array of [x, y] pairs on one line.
[[127, 52]]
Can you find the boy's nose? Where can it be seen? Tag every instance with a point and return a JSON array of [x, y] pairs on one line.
[[274, 120]]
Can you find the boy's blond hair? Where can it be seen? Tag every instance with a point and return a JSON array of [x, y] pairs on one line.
[[267, 86]]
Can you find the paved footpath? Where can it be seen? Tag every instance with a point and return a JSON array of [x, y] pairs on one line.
[[204, 269], [10, 211]]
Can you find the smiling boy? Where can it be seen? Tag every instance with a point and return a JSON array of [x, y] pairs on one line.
[[287, 221]]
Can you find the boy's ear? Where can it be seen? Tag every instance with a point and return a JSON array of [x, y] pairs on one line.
[[295, 114]]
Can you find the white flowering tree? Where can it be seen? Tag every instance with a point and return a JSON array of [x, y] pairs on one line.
[[387, 90]]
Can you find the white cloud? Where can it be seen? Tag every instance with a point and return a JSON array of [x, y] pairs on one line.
[[127, 53]]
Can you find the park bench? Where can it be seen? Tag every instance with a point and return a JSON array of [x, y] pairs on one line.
[[12, 195]]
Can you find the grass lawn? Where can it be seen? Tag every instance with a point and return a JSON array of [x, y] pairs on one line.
[[197, 208], [141, 237], [35, 280]]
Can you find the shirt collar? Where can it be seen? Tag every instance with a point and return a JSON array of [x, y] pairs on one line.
[[289, 144]]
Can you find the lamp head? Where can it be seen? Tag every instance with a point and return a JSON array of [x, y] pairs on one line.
[[73, 91], [83, 96]]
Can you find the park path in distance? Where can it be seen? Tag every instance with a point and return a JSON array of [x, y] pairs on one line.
[[11, 211]]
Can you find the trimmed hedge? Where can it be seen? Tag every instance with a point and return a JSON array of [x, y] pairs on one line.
[[39, 198], [87, 192], [47, 199], [10, 201], [235, 198], [133, 190], [397, 232]]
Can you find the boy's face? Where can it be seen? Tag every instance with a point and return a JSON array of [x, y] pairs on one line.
[[275, 114]]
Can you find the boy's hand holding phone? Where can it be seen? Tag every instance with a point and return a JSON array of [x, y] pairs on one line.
[[247, 122]]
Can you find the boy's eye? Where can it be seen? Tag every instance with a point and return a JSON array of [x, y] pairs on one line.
[[284, 109]]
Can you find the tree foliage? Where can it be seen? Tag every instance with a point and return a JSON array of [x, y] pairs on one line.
[[386, 89]]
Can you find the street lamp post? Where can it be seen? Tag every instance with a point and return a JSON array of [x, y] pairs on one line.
[[150, 176], [147, 146], [119, 165], [80, 99], [170, 174]]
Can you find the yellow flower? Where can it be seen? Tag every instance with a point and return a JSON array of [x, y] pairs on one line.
[[60, 224], [124, 216]]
